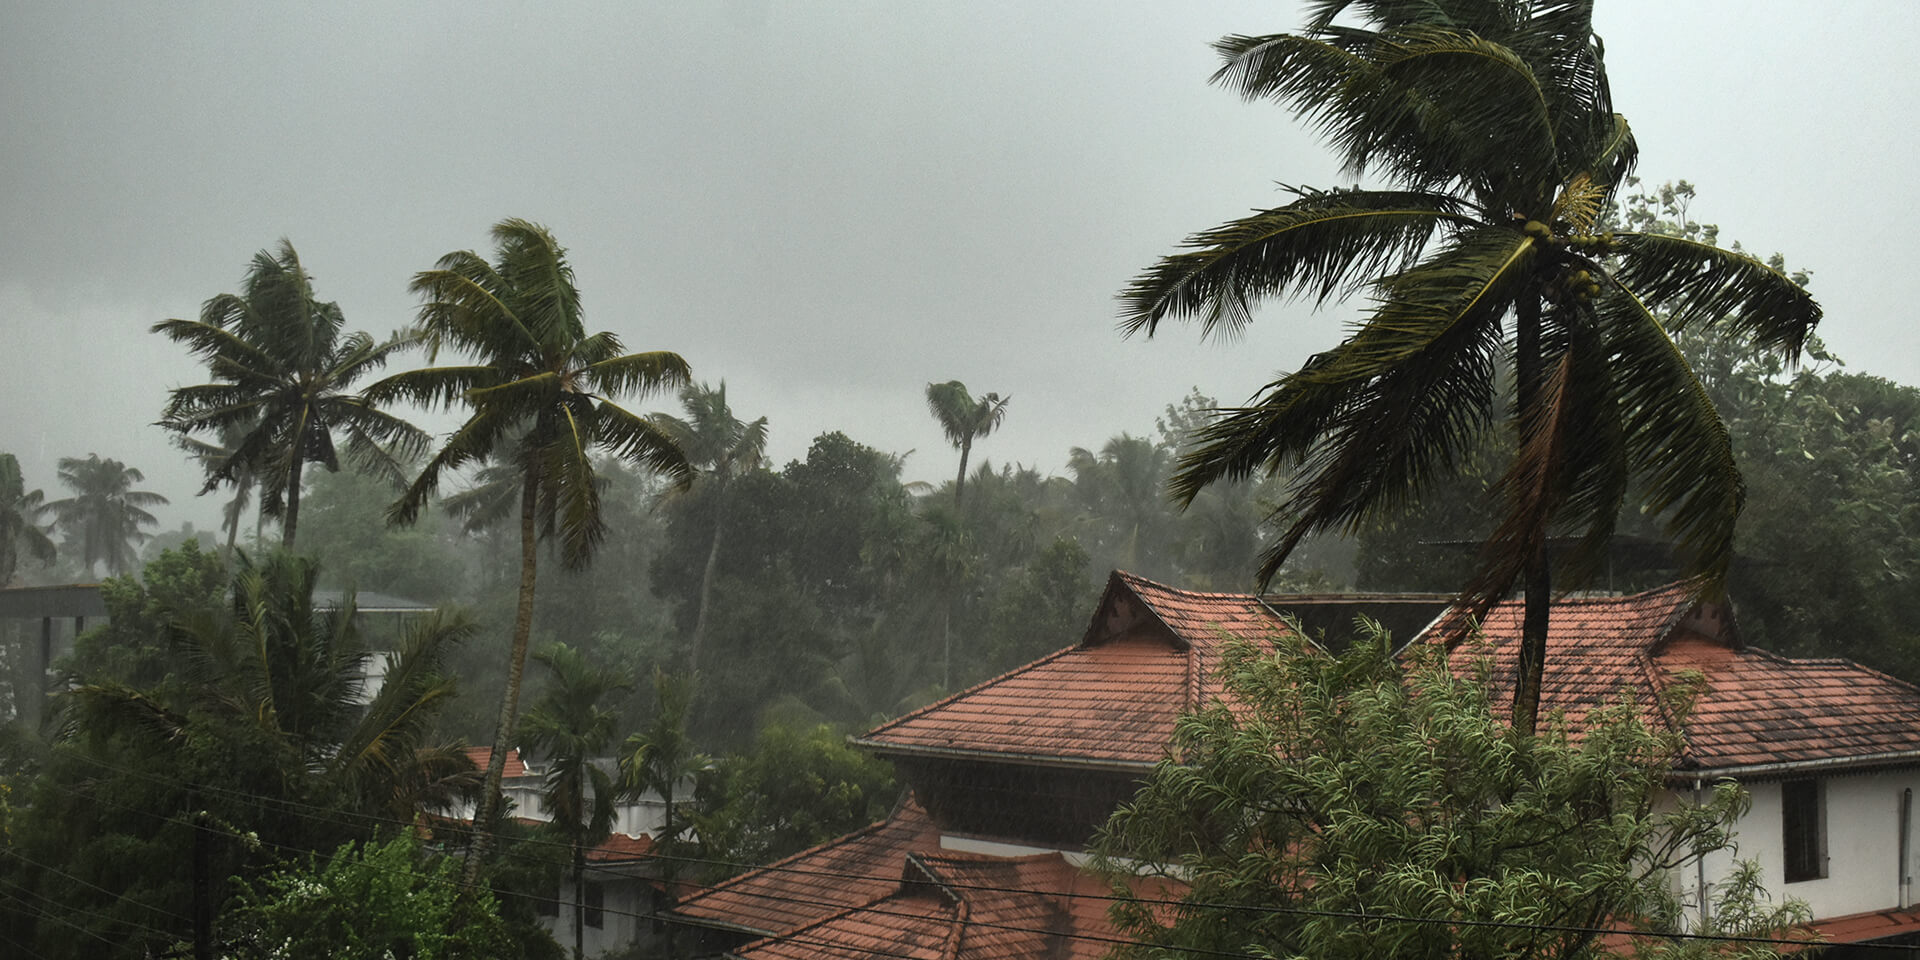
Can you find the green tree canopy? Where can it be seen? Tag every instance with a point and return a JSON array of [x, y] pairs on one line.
[[1355, 808]]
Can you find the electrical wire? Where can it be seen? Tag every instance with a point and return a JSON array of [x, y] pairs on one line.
[[890, 879]]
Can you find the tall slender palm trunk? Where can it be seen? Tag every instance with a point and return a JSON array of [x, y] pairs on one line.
[[1538, 574], [706, 583], [960, 481], [579, 902], [291, 522], [516, 667]]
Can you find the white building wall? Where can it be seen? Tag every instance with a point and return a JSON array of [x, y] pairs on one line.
[[623, 916], [1863, 845]]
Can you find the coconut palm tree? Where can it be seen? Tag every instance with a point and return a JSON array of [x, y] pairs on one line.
[[658, 758], [1490, 124], [569, 726], [212, 456], [104, 515], [964, 419], [720, 446], [281, 370], [23, 512], [539, 393]]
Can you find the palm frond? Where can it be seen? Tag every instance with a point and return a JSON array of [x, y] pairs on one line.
[[1322, 244], [637, 374], [1699, 283], [1687, 471], [644, 442]]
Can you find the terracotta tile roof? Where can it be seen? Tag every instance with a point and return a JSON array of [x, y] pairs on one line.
[[1755, 707], [1112, 698], [961, 906], [814, 884], [479, 756], [620, 848], [1871, 925]]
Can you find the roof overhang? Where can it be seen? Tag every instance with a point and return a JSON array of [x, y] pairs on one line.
[[1788, 768], [884, 748]]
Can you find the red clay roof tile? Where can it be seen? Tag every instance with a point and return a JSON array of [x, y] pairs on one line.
[[479, 756], [816, 883]]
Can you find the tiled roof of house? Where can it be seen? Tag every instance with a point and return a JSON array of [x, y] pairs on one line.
[[1754, 708], [479, 756], [1112, 698], [963, 906], [816, 883], [1151, 652], [620, 848]]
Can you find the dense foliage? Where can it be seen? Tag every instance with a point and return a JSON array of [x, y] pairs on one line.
[[1355, 808]]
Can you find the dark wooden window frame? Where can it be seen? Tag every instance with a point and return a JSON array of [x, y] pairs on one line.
[[1803, 827]]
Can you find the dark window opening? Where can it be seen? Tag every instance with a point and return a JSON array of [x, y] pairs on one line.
[[596, 903], [546, 906], [1803, 818]]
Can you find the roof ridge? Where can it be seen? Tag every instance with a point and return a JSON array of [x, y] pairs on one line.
[[943, 701], [1136, 578]]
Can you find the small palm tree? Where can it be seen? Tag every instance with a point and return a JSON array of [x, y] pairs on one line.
[[658, 758], [1492, 125], [569, 726], [720, 446], [281, 371], [104, 516], [212, 457], [23, 530], [540, 394], [276, 660], [964, 419]]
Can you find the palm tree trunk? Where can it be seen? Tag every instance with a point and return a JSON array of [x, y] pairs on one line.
[[706, 584], [292, 520], [516, 667], [579, 903], [960, 481], [1539, 583], [233, 530]]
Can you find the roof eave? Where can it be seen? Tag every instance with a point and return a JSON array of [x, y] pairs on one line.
[[994, 756], [1759, 771]]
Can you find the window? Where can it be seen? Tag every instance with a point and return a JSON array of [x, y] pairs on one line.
[[1803, 818], [546, 906], [596, 904]]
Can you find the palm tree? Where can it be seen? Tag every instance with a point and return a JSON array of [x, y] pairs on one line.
[[569, 727], [538, 391], [1120, 491], [105, 513], [721, 447], [1491, 123], [964, 419], [22, 516], [274, 659], [659, 757], [211, 457], [281, 370]]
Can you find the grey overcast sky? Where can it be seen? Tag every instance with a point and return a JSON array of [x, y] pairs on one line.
[[827, 204]]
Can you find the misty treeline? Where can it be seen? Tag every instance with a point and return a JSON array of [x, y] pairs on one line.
[[811, 599]]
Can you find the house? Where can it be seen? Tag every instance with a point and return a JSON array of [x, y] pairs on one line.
[[622, 878], [1010, 779]]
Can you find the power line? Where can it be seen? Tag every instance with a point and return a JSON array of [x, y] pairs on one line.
[[1108, 898]]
